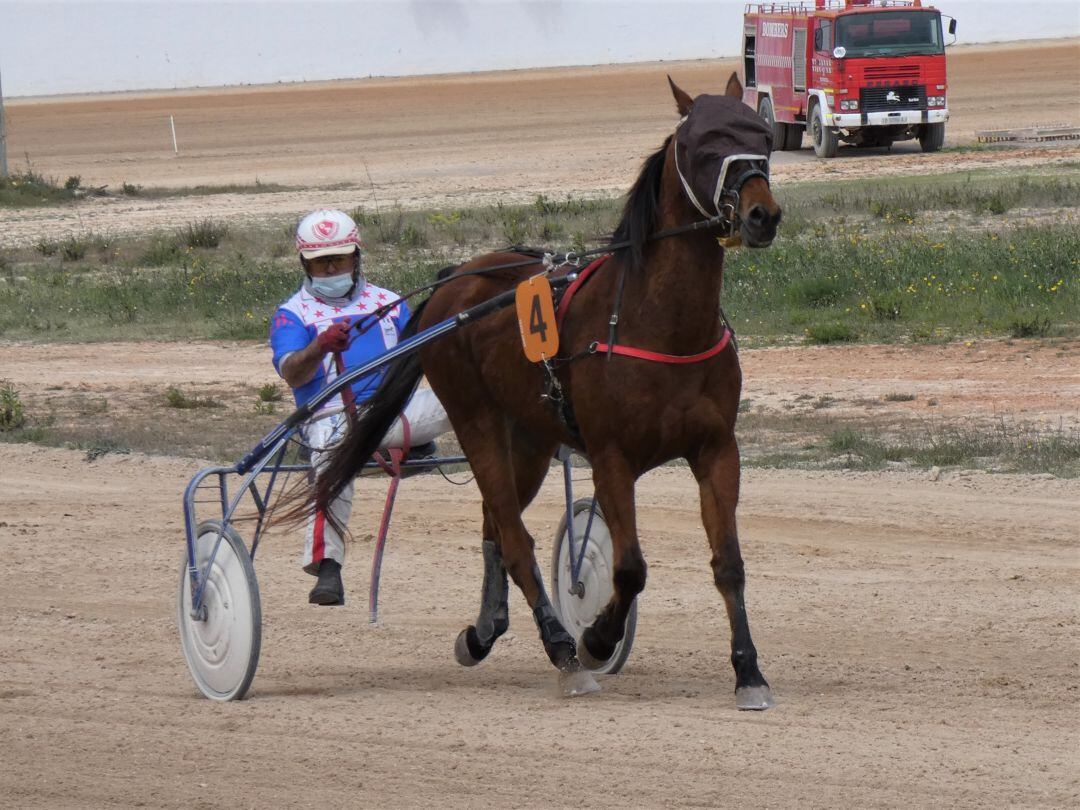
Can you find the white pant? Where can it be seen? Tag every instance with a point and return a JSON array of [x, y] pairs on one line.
[[426, 419]]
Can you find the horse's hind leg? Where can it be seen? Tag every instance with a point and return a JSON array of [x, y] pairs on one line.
[[495, 459], [717, 472], [475, 641]]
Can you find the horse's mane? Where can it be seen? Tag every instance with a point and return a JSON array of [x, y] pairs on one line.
[[642, 208]]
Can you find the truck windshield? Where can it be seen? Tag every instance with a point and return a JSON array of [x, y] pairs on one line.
[[890, 33]]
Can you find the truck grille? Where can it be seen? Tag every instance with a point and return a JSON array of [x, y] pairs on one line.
[[885, 99], [891, 73]]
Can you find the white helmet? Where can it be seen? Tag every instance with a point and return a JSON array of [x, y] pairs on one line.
[[327, 232]]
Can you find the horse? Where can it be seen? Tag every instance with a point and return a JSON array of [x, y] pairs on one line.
[[667, 388]]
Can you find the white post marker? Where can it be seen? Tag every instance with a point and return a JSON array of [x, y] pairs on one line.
[[172, 126]]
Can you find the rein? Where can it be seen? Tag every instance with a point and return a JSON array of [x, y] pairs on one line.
[[553, 261]]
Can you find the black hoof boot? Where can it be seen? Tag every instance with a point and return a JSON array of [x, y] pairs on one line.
[[328, 590]]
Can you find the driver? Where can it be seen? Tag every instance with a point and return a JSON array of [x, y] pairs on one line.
[[314, 340]]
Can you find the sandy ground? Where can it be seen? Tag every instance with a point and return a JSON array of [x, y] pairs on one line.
[[920, 635], [458, 140]]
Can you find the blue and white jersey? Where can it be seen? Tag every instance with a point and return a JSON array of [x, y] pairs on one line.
[[299, 320]]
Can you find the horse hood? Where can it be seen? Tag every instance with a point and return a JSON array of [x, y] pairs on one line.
[[718, 129]]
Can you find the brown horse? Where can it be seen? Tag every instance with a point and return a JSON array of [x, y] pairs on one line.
[[627, 414]]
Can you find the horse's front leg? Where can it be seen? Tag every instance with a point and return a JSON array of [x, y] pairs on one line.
[[717, 473], [614, 482]]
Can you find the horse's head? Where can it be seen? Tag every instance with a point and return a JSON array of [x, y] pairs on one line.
[[722, 152]]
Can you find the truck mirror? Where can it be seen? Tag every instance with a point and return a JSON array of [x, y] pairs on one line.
[[817, 40], [952, 27]]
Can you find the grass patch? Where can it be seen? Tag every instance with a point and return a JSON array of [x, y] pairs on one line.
[[835, 332], [904, 200], [819, 441], [175, 398], [102, 447], [919, 284], [1003, 447], [833, 278], [28, 188]]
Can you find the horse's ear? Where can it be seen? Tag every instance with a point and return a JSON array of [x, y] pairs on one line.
[[682, 101], [734, 87]]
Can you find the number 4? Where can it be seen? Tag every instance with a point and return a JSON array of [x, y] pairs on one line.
[[536, 319]]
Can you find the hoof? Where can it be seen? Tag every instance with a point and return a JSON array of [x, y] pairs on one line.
[[466, 653], [754, 698], [588, 660], [575, 680]]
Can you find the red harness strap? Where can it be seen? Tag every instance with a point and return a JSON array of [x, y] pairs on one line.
[[657, 357], [628, 351], [571, 291]]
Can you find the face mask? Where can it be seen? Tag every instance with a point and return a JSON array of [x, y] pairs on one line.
[[332, 286]]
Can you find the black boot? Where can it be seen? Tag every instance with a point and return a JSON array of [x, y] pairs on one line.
[[328, 590]]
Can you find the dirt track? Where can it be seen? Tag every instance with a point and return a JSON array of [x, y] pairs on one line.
[[920, 635]]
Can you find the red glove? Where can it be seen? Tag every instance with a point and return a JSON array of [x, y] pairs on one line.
[[336, 338]]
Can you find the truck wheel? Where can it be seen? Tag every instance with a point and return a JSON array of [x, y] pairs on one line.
[[826, 139], [931, 137], [779, 131]]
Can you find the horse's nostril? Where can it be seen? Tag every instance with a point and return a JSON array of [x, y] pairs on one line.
[[759, 215]]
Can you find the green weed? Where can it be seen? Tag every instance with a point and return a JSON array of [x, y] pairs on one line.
[[269, 393], [204, 234], [175, 398], [12, 413]]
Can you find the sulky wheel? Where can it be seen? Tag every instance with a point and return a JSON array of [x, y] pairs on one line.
[[579, 606], [222, 645]]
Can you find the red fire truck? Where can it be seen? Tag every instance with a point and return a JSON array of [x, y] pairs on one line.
[[866, 72]]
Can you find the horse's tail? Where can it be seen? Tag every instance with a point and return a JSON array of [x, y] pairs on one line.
[[363, 437]]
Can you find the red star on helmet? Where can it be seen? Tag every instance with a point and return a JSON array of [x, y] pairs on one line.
[[337, 310], [318, 313]]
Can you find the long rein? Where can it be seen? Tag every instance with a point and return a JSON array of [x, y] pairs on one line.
[[553, 261]]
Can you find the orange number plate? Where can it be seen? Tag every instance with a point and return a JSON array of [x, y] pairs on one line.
[[536, 319]]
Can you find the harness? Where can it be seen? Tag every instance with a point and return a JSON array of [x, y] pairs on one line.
[[611, 347]]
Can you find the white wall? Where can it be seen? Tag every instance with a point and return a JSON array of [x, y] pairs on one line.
[[49, 47]]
